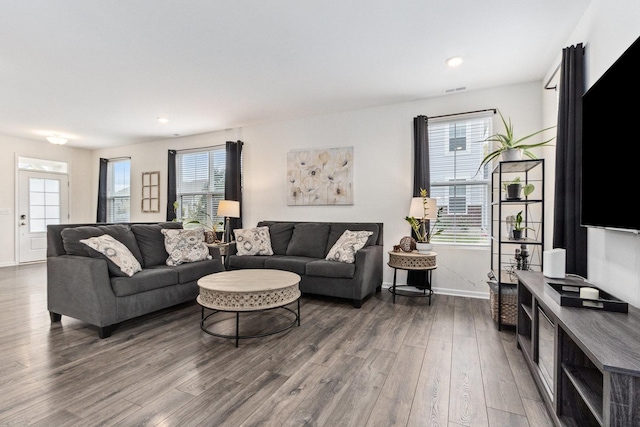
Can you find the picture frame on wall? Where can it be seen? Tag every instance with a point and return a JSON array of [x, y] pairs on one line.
[[151, 192], [320, 177]]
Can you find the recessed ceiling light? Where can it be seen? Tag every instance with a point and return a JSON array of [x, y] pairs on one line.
[[454, 61], [57, 139], [163, 120]]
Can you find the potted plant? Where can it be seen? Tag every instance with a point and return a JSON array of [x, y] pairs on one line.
[[512, 188], [517, 226], [423, 232], [192, 218], [509, 146]]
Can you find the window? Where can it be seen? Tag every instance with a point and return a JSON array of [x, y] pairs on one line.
[[200, 184], [119, 190], [456, 148], [44, 204]]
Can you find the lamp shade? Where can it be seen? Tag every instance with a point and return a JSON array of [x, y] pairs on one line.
[[423, 212], [229, 208]]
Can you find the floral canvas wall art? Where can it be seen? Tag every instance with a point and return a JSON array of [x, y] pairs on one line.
[[320, 177]]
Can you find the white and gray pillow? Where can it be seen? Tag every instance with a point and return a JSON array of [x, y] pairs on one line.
[[185, 245], [120, 260], [253, 241], [345, 248]]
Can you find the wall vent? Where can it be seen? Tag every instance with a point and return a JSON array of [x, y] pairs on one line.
[[457, 89]]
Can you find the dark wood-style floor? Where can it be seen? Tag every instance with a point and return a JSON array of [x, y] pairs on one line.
[[406, 364]]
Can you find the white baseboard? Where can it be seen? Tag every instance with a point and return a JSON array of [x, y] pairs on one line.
[[7, 264], [447, 291]]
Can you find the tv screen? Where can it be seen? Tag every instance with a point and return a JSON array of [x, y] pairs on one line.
[[610, 146]]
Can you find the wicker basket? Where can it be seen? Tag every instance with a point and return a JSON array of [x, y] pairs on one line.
[[509, 303]]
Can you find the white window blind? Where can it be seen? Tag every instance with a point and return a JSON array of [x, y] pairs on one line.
[[119, 190], [456, 148], [200, 184]]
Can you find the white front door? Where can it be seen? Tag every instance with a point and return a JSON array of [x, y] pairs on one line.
[[43, 198]]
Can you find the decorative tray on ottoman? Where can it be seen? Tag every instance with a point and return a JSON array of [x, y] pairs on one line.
[[568, 295]]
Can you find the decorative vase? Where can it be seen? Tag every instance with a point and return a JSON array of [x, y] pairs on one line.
[[424, 248], [512, 154]]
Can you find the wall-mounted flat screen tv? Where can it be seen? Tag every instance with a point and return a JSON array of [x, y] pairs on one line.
[[611, 146]]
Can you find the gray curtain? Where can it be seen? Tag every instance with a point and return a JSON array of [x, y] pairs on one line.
[[233, 179], [101, 215], [421, 177], [567, 232]]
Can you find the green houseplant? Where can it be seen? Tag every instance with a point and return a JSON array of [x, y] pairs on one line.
[[194, 217], [512, 188], [506, 142], [517, 226], [422, 231]]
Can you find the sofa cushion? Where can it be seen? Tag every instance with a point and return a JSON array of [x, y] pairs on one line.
[[293, 264], [185, 245], [192, 271], [280, 233], [309, 240], [323, 268], [71, 237], [247, 261], [253, 241], [151, 242], [338, 228], [344, 250], [146, 280], [120, 260]]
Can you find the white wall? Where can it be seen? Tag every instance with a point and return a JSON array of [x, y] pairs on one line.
[[80, 186], [606, 30], [383, 177]]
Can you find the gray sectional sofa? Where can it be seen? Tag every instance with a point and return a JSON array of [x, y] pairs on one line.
[[83, 285], [301, 247]]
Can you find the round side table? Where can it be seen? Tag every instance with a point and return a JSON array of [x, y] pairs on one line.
[[413, 261]]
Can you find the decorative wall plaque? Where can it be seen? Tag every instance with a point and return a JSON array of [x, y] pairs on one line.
[[150, 191]]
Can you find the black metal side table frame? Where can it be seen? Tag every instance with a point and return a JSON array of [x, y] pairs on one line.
[[425, 287], [237, 336]]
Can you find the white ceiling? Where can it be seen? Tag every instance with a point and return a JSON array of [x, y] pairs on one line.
[[100, 72]]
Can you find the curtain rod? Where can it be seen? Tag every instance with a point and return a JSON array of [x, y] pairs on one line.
[[546, 86], [117, 158], [460, 114]]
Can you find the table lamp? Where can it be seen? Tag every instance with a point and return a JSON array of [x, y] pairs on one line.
[[228, 209]]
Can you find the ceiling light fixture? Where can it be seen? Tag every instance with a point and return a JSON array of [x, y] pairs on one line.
[[454, 61], [163, 120], [57, 139]]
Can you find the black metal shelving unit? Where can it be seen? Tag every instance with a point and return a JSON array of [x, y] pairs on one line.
[[503, 246]]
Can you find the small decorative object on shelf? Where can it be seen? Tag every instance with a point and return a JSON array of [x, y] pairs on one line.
[[407, 244]]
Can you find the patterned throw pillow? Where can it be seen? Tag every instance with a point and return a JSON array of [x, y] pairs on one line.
[[119, 259], [253, 241], [345, 248], [185, 245]]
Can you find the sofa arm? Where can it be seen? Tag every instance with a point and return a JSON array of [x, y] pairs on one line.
[[368, 275], [80, 287]]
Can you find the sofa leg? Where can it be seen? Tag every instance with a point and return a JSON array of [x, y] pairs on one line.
[[357, 303], [55, 317], [105, 331]]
